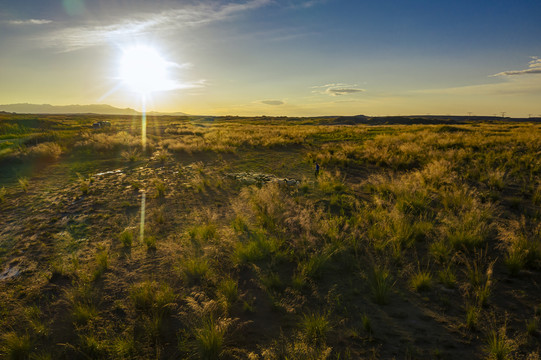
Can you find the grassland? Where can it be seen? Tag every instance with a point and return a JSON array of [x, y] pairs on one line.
[[414, 242]]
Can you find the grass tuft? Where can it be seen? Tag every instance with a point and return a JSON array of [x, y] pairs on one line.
[[421, 281], [82, 313], [150, 242], [126, 238]]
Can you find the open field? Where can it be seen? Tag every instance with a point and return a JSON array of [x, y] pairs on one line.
[[414, 242]]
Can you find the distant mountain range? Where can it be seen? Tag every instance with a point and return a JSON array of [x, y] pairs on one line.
[[75, 109]]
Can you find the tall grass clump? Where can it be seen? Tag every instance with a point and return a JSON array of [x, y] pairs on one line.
[[228, 290], [315, 265], [152, 297], [84, 184], [2, 194], [160, 188], [469, 230], [83, 312], [259, 247], [150, 242], [498, 346], [381, 284], [15, 346], [162, 155], [472, 316], [315, 328], [102, 262], [45, 151], [23, 183], [126, 238], [296, 347], [210, 338], [204, 232], [447, 277], [196, 270], [521, 241], [131, 155], [107, 141], [479, 271], [269, 206], [367, 324]]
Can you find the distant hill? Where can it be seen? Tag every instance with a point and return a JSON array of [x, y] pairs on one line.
[[418, 120], [74, 109]]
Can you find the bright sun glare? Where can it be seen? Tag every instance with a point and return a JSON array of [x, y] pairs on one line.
[[143, 70]]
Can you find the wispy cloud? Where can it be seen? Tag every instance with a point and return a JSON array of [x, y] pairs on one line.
[[30, 22], [342, 91], [508, 85], [534, 67], [306, 4], [74, 38], [512, 86], [272, 102], [337, 89]]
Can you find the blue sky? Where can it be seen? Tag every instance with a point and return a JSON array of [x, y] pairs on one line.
[[280, 57]]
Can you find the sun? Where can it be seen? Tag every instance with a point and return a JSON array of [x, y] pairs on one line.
[[144, 70]]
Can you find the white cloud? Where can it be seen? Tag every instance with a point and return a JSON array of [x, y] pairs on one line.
[[30, 22], [534, 67], [74, 38], [337, 89]]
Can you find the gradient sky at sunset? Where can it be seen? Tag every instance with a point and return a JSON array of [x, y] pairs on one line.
[[280, 57]]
